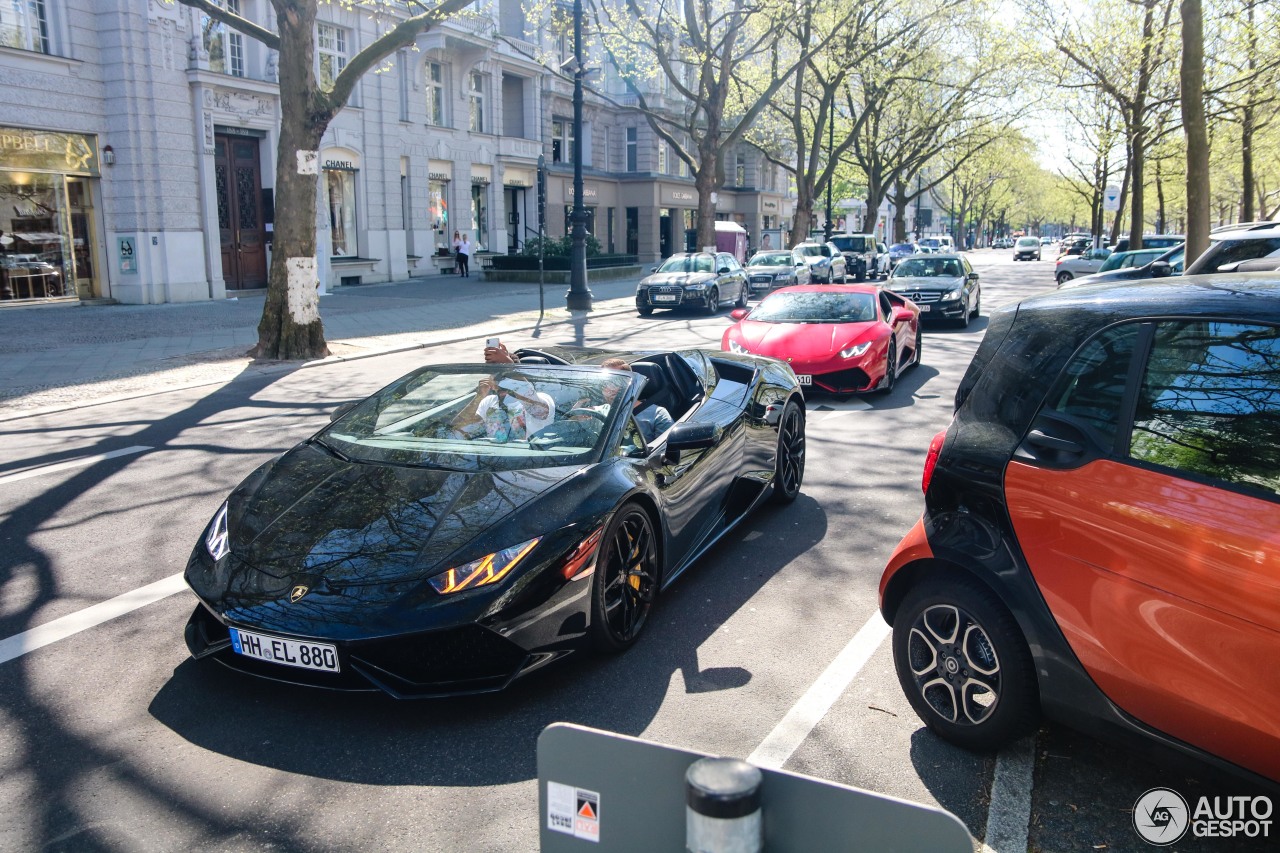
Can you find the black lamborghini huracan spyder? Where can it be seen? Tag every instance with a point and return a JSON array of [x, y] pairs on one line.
[[470, 523]]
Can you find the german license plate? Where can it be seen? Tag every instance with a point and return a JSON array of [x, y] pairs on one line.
[[303, 654], [804, 379], [666, 297], [924, 308]]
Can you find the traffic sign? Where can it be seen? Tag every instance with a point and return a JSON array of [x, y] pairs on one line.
[[1111, 198]]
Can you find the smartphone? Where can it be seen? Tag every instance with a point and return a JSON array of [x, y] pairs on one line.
[[492, 343]]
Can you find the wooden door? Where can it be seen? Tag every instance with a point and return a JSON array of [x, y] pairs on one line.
[[238, 173]]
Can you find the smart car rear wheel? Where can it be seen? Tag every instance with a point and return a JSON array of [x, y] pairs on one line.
[[964, 665], [626, 580], [788, 471]]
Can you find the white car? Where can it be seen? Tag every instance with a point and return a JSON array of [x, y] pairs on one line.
[[1074, 266], [1027, 248]]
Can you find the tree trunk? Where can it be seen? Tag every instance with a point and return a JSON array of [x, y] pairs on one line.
[[1246, 157], [705, 181], [900, 202], [290, 327], [1160, 221], [1194, 125], [1124, 192]]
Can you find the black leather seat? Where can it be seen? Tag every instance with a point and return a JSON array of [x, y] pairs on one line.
[[657, 389]]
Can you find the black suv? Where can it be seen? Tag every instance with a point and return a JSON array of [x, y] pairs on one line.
[[1101, 533], [861, 253]]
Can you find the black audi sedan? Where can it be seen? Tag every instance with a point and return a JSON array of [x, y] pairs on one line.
[[1100, 541], [469, 524], [703, 279]]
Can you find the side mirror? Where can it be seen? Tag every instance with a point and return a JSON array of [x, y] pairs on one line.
[[902, 314], [653, 269], [799, 262], [343, 409], [973, 276], [1161, 269], [691, 437], [738, 313], [722, 271]]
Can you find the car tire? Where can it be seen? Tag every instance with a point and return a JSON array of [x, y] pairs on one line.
[[1064, 277], [963, 321], [626, 580], [945, 634], [915, 356], [644, 310], [713, 302], [977, 305], [788, 467], [742, 297], [890, 370]]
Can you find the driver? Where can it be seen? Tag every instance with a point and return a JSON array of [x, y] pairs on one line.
[[510, 408]]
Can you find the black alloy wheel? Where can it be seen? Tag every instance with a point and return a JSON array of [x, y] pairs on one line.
[[713, 301], [964, 665], [742, 295], [890, 369], [626, 580], [963, 320], [977, 304], [919, 347], [788, 469]]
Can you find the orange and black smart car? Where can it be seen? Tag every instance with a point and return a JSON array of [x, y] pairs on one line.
[[1101, 533]]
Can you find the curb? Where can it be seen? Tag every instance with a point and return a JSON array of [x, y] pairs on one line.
[[320, 362]]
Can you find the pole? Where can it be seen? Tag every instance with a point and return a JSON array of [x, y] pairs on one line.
[[579, 296], [831, 172], [542, 234], [919, 195]]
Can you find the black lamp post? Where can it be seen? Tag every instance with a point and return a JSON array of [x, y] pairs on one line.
[[831, 176], [579, 296]]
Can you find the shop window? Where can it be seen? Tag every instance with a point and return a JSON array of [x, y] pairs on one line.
[[477, 87], [437, 195], [24, 24], [36, 252], [224, 46], [340, 186], [480, 215], [434, 73], [331, 52]]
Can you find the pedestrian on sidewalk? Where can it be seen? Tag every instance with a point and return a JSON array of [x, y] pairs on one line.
[[457, 241], [464, 254]]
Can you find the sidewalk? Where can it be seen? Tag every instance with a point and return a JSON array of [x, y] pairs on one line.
[[59, 356]]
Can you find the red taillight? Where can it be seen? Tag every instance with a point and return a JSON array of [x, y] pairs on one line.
[[931, 461]]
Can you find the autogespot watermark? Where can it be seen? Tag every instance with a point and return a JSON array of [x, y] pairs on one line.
[[1162, 816]]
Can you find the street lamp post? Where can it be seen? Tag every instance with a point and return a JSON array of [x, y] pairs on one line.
[[831, 176], [579, 296]]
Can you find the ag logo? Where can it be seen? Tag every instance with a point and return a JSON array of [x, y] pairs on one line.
[[1161, 816], [297, 592]]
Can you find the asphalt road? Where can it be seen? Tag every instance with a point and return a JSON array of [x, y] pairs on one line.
[[114, 740]]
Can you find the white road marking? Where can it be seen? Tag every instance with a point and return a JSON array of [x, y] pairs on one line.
[[73, 623], [792, 730], [70, 463], [1009, 814]]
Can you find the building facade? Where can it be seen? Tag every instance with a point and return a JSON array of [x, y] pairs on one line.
[[138, 152]]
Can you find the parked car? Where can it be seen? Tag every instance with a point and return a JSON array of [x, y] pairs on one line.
[[1002, 243], [1026, 248], [1169, 263], [862, 255], [1076, 245], [898, 251], [693, 278], [1086, 263], [1151, 241], [1046, 241], [1252, 248], [398, 550], [1101, 535], [930, 244], [825, 262], [843, 340], [944, 287], [772, 268]]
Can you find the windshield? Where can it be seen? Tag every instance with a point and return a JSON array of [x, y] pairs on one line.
[[777, 259], [1028, 241], [686, 263], [928, 268], [481, 418], [812, 251], [1130, 259], [816, 307], [851, 244], [902, 247], [931, 242]]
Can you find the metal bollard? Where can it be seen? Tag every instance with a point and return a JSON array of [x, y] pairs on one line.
[[722, 813]]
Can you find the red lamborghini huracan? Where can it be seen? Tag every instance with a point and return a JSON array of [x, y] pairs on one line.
[[842, 339]]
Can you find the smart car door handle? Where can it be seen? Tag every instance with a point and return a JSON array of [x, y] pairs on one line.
[[1051, 442]]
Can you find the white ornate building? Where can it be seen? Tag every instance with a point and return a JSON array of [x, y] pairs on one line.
[[138, 147]]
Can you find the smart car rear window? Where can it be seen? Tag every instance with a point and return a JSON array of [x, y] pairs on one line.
[[1092, 385]]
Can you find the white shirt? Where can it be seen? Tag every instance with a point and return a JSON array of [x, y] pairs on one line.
[[465, 247], [532, 422]]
